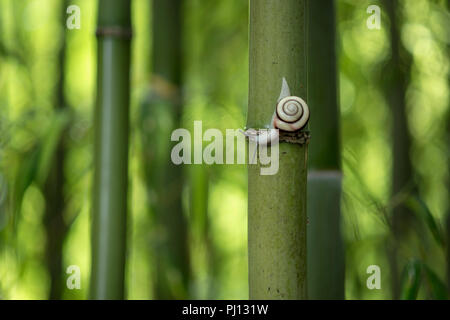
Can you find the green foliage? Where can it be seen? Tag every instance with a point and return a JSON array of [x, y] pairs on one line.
[[215, 90], [435, 286], [412, 276], [34, 164], [418, 276], [423, 213]]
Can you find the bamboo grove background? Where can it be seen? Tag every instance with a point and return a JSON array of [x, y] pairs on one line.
[[187, 232]]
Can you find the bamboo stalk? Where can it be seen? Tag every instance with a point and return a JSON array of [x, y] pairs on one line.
[[173, 249], [397, 72], [55, 227], [111, 151], [325, 248], [277, 203], [447, 6], [201, 224], [326, 257], [448, 190]]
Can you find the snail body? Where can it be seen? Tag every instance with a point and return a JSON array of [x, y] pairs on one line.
[[262, 137]]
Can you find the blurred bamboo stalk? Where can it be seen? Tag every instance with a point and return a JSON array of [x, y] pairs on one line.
[[326, 257], [172, 255], [56, 228], [448, 172], [201, 224], [277, 203], [396, 79], [447, 7], [448, 209], [111, 150]]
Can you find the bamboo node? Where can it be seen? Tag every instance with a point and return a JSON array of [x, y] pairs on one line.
[[297, 137], [114, 31], [265, 136]]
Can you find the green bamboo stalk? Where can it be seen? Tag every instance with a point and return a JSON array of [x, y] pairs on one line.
[[326, 257], [55, 205], [397, 74], [447, 228], [173, 250], [447, 7], [325, 248], [111, 150], [277, 203], [200, 222], [448, 209]]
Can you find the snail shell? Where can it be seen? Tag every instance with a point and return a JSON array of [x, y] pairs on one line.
[[292, 114]]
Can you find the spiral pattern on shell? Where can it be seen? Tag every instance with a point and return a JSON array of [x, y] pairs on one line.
[[292, 114]]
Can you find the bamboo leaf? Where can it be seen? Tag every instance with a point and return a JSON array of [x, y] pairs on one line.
[[422, 211], [411, 280], [437, 287], [34, 163], [25, 175], [50, 142]]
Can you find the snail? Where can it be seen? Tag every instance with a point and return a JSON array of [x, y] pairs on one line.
[[291, 114]]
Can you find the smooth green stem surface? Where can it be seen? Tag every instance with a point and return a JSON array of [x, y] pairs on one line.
[[324, 150], [55, 205], [277, 203], [326, 258], [111, 153], [325, 246], [395, 80], [172, 257]]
